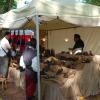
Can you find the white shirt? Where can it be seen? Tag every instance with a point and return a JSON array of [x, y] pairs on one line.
[[4, 43], [78, 50], [34, 63]]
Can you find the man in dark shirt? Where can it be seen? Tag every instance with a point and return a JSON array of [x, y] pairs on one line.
[[78, 42]]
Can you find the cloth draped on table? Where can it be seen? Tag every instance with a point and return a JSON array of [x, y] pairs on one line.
[[86, 82], [88, 79], [55, 91], [17, 77]]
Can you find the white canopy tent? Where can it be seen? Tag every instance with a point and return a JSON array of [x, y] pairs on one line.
[[55, 14], [67, 10]]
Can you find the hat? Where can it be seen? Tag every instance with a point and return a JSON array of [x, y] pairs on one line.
[[29, 32]]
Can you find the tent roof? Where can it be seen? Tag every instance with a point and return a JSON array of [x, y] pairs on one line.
[[69, 11], [50, 25]]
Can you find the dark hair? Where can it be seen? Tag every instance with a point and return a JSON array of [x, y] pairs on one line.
[[6, 33], [33, 42], [76, 35]]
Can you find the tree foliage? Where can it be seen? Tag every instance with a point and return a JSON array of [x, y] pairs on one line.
[[94, 2], [6, 5]]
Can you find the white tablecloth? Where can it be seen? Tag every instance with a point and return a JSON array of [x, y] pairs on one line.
[[17, 77], [52, 89], [86, 82]]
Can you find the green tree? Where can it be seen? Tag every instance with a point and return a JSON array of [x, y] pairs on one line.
[[94, 2], [6, 5]]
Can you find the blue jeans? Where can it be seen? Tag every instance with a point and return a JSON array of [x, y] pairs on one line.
[[4, 66]]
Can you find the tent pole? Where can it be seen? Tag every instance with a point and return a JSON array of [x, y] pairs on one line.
[[38, 57], [47, 37]]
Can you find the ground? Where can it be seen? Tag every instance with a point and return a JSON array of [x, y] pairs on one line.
[[12, 93]]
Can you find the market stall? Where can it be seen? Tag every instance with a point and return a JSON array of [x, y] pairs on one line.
[[68, 13]]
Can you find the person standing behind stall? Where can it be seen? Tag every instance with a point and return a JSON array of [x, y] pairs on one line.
[[28, 61], [79, 44], [5, 47]]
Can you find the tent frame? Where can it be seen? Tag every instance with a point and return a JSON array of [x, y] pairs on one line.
[[38, 57]]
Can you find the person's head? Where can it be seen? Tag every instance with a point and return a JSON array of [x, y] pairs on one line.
[[52, 52], [76, 37], [7, 35], [33, 42]]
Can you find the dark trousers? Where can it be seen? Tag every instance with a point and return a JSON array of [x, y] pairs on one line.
[[29, 98]]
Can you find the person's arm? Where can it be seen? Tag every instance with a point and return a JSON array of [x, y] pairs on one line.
[[21, 63], [8, 44], [34, 64], [75, 46]]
